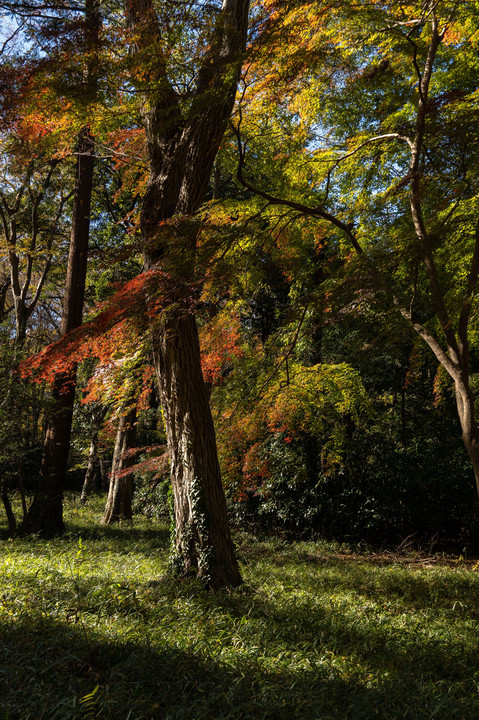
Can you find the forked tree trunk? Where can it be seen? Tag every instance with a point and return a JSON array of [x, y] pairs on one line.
[[182, 147], [118, 504]]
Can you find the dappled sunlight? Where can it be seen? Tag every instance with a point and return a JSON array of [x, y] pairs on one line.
[[92, 622]]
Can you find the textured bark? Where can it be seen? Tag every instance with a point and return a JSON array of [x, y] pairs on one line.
[[182, 147], [45, 515], [118, 504], [202, 536]]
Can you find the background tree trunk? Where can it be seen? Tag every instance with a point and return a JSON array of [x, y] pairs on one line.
[[45, 515], [12, 523], [92, 469], [118, 504]]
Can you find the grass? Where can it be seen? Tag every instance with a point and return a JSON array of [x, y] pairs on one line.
[[90, 628]]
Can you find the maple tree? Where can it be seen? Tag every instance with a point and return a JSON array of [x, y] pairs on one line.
[[382, 116], [344, 188]]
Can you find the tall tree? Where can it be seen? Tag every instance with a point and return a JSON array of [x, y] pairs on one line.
[[386, 110], [45, 514], [183, 136]]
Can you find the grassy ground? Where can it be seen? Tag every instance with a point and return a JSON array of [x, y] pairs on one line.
[[89, 629]]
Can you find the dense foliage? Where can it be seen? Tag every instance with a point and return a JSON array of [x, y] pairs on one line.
[[338, 245]]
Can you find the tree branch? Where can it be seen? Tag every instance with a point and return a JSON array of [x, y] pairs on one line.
[[300, 207], [161, 111]]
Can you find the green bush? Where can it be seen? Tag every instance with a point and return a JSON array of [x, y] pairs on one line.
[[382, 493]]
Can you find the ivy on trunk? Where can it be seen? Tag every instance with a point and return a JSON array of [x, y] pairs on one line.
[[182, 147]]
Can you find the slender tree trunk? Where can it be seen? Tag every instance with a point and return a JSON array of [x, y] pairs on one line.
[[12, 523], [118, 504], [92, 469], [45, 515], [21, 490], [470, 430], [103, 483]]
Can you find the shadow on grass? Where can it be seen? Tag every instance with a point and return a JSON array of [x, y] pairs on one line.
[[274, 661], [53, 670], [419, 587], [120, 533], [121, 539]]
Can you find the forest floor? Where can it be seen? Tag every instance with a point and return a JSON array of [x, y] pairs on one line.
[[90, 627]]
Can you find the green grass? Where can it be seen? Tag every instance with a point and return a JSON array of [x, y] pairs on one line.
[[89, 628]]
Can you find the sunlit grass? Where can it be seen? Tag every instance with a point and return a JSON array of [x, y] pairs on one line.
[[90, 627]]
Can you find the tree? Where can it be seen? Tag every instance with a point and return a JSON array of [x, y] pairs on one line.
[[118, 504], [182, 145], [386, 111], [45, 514], [31, 218]]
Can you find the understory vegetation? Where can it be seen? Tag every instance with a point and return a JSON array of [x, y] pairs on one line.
[[92, 627]]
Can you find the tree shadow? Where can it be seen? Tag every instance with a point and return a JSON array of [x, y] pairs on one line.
[[415, 587], [119, 533], [53, 671], [247, 653], [118, 538]]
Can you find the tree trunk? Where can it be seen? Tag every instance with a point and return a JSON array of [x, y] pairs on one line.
[[12, 523], [103, 482], [45, 515], [182, 147], [470, 431], [118, 504], [92, 469], [203, 542], [46, 512]]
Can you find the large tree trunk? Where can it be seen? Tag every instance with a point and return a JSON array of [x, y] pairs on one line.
[[182, 147], [45, 515], [203, 542], [118, 504]]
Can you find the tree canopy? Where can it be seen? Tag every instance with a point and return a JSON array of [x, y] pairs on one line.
[[282, 235]]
